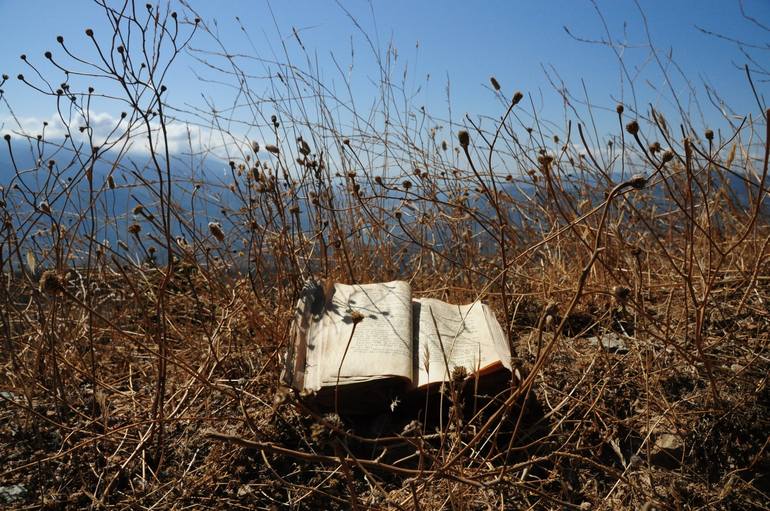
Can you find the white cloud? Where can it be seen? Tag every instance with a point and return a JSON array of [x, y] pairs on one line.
[[105, 127]]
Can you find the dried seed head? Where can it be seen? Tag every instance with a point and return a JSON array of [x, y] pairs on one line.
[[89, 32], [709, 135], [545, 160], [31, 261], [110, 182], [322, 432], [412, 429], [51, 283], [138, 209], [464, 138], [134, 229], [45, 208], [621, 294], [255, 146], [215, 228], [304, 148], [459, 373], [407, 184], [619, 108], [517, 96], [667, 156], [632, 127], [654, 147], [356, 317], [494, 82], [638, 181], [270, 148]]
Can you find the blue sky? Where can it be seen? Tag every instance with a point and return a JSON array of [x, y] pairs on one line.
[[460, 43]]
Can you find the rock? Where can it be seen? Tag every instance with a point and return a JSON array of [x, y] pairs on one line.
[[12, 493], [667, 450], [245, 491], [668, 442], [610, 341]]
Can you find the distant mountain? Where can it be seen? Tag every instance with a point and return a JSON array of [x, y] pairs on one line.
[[115, 205]]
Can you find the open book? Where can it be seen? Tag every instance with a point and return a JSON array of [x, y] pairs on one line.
[[375, 336]]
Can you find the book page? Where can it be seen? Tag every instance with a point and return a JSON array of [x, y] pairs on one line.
[[456, 335], [381, 345]]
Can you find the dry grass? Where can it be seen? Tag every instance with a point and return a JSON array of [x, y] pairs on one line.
[[135, 380]]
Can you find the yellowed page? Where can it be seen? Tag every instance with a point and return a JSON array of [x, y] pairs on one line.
[[469, 335], [293, 373], [381, 346]]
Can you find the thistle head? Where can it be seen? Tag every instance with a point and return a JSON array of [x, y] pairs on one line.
[[51, 283], [638, 181], [621, 294], [215, 228], [464, 138]]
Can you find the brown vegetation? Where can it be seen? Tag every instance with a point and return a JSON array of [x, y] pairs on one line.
[[143, 372]]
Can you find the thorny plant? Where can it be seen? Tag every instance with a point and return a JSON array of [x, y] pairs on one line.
[[146, 305]]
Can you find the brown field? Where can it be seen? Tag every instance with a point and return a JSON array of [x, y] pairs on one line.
[[142, 371]]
